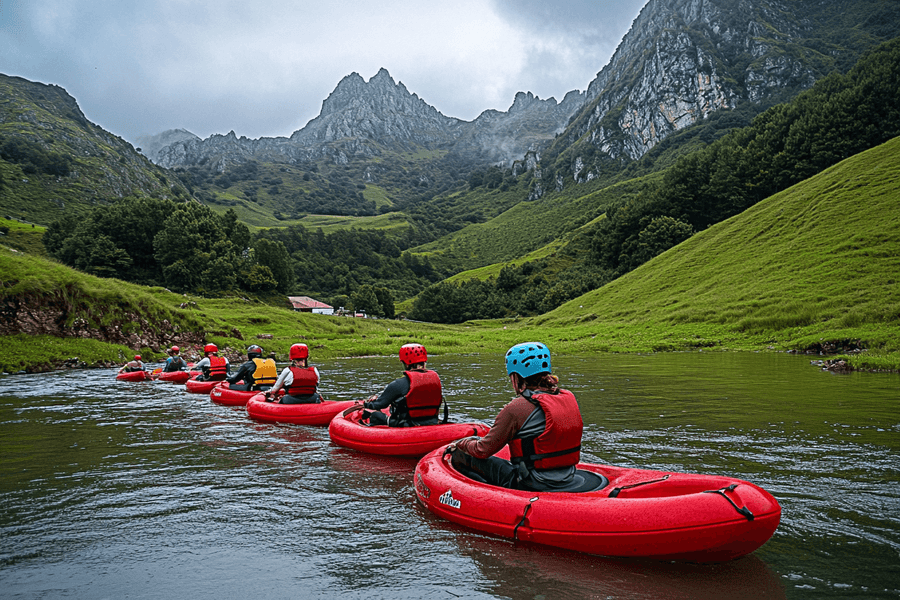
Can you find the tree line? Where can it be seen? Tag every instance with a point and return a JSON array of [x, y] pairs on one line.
[[187, 247]]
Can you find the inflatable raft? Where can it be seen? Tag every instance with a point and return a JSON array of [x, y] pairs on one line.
[[175, 376], [617, 512], [133, 376], [200, 387], [223, 394], [298, 414], [346, 430]]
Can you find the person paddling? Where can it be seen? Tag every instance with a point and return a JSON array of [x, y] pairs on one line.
[[212, 367], [174, 362], [299, 380], [257, 373], [133, 365], [415, 398], [542, 426]]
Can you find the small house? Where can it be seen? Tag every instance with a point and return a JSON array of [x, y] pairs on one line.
[[307, 304]]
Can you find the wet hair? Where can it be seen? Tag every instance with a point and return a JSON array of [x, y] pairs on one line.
[[414, 366]]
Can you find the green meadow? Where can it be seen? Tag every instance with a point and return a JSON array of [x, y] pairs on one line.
[[816, 264]]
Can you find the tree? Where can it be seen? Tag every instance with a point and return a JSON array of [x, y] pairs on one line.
[[386, 301], [365, 300], [274, 257]]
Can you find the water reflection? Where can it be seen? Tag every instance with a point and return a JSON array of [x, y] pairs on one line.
[[112, 487], [528, 571]]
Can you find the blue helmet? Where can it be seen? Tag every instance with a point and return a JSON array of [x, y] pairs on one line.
[[527, 359]]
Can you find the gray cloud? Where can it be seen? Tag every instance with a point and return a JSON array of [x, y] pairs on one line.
[[263, 68]]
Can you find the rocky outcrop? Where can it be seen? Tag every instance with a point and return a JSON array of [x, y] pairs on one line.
[[150, 145], [54, 315], [685, 59]]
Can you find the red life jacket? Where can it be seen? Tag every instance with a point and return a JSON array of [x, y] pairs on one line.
[[218, 368], [559, 445], [424, 397], [305, 381]]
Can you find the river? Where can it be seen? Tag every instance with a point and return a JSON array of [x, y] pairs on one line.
[[140, 490]]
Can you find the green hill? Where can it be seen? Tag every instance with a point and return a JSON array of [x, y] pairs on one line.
[[54, 162], [817, 264]]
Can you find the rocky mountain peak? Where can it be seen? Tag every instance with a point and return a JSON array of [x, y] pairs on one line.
[[684, 59]]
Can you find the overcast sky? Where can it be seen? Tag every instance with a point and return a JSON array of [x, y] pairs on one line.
[[263, 68]]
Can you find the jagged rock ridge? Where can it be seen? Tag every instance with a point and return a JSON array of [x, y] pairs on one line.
[[363, 118]]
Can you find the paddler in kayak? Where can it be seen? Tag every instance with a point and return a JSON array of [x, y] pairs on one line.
[[212, 367], [257, 373], [542, 426], [174, 362], [299, 380], [414, 398], [133, 365]]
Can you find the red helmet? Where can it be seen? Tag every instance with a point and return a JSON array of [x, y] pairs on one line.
[[411, 354], [299, 351], [176, 349], [210, 348], [137, 357]]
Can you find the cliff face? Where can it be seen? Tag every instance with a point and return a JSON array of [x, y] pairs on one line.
[[684, 59]]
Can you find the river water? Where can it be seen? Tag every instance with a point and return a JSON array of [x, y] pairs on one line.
[[141, 490]]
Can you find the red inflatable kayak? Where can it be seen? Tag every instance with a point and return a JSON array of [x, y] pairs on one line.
[[223, 394], [200, 387], [133, 376], [298, 414], [346, 430], [623, 513], [175, 376]]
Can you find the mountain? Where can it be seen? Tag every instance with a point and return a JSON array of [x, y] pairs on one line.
[[687, 72], [369, 118], [683, 60], [53, 161], [150, 145]]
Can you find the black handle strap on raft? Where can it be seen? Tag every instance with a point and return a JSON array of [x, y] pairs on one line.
[[524, 516], [741, 509], [353, 409], [446, 411], [615, 491]]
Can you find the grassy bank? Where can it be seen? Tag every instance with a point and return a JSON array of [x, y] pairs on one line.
[[814, 267]]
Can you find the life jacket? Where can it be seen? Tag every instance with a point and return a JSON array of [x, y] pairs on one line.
[[266, 372], [304, 383], [424, 397], [176, 363], [218, 368], [558, 443]]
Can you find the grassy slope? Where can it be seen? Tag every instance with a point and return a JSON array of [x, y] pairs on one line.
[[817, 262], [526, 227]]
